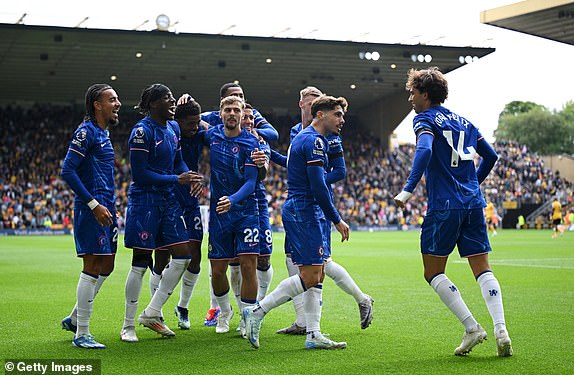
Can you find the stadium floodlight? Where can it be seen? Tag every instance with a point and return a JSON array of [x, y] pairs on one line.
[[268, 60], [369, 55], [353, 86], [420, 58], [428, 58], [162, 22], [467, 59]]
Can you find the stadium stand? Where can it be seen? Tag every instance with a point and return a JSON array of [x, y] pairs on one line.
[[34, 142]]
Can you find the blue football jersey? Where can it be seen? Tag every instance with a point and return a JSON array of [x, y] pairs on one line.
[[95, 166], [335, 145], [228, 158], [295, 129], [191, 148], [451, 173], [308, 147], [161, 144]]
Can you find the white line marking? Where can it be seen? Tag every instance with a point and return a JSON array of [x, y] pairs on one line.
[[530, 264]]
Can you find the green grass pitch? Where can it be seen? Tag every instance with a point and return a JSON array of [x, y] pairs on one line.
[[412, 331]]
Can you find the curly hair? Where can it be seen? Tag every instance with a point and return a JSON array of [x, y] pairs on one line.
[[431, 81]]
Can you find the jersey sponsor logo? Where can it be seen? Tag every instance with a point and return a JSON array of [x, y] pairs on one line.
[[144, 236], [102, 240], [319, 145], [139, 132], [81, 135]]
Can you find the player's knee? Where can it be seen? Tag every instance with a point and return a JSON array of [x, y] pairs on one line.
[[107, 269], [194, 264], [310, 279], [161, 260], [142, 259], [263, 263], [248, 267]]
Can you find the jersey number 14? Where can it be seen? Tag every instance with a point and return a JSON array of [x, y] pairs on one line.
[[459, 151]]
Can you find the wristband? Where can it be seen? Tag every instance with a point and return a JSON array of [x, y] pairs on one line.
[[403, 196], [93, 204]]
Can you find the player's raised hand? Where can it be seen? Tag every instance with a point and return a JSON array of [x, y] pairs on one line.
[[343, 228], [184, 99]]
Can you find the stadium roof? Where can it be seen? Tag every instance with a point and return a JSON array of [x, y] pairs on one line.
[[550, 19], [57, 64]]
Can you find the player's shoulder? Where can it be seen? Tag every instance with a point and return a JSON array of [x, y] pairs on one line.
[[84, 130], [143, 124], [212, 118], [311, 138], [174, 125], [296, 128], [249, 138]]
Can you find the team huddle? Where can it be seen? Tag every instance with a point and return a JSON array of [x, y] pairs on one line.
[[164, 226]]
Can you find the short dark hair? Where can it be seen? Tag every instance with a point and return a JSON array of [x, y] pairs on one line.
[[431, 81], [151, 94], [189, 108], [225, 87], [92, 95]]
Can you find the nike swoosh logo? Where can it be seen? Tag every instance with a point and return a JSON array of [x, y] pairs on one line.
[[90, 301], [134, 301], [157, 143], [103, 144]]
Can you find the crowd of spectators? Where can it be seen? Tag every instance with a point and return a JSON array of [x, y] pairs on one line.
[[34, 142]]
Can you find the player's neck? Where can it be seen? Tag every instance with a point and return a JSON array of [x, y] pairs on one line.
[[101, 123], [319, 128], [159, 120], [231, 133]]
